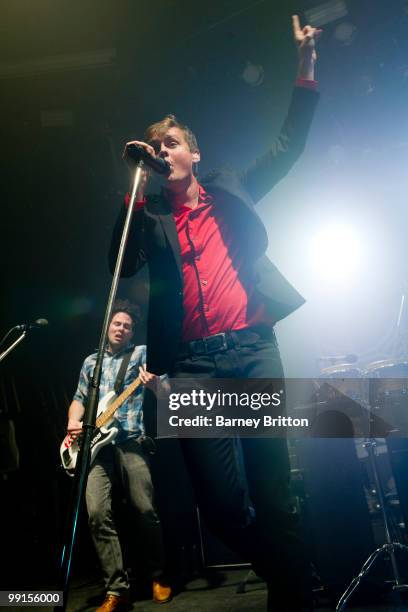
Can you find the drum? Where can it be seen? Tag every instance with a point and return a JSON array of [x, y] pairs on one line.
[[388, 393], [346, 380], [340, 400]]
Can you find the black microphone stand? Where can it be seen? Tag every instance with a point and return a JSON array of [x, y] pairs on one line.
[[21, 337], [82, 466], [26, 327]]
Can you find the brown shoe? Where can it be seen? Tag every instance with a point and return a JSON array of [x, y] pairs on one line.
[[114, 602], [161, 592]]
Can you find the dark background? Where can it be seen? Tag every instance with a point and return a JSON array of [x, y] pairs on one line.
[[63, 126]]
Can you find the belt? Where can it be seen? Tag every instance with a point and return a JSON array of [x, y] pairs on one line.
[[223, 341]]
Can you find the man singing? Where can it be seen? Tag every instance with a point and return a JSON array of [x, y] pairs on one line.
[[214, 298]]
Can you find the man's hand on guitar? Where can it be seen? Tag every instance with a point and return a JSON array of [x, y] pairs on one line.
[[148, 379], [74, 427]]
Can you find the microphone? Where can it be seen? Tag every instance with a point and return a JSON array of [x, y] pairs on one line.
[[158, 164], [36, 325]]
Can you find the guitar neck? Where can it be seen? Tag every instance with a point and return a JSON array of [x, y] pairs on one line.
[[110, 411]]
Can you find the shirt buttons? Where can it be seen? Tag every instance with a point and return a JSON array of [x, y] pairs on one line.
[[204, 282]]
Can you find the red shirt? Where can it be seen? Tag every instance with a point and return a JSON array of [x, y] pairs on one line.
[[216, 297]]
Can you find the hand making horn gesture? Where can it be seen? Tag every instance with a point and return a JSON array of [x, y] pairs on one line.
[[305, 39]]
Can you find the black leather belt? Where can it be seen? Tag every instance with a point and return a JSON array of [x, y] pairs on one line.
[[224, 341]]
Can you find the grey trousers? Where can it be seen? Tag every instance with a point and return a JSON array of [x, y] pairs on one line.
[[127, 464]]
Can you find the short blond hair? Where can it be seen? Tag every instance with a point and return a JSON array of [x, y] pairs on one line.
[[158, 130]]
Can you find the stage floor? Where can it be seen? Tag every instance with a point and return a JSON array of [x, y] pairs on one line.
[[214, 592]]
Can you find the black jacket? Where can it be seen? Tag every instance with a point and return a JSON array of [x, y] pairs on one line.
[[153, 236]]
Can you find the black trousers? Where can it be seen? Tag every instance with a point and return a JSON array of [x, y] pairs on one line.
[[227, 494]]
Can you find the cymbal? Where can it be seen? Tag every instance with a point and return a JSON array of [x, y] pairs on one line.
[[342, 368], [376, 366]]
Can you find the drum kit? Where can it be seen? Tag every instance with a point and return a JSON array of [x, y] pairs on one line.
[[381, 389]]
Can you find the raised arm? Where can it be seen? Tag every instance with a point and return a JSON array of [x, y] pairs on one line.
[[273, 165], [305, 39]]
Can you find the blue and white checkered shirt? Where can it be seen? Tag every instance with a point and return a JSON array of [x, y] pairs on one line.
[[129, 417]]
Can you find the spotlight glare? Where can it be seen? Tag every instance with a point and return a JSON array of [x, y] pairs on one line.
[[335, 253]]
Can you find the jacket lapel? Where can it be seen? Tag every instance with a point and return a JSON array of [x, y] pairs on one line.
[[165, 216], [170, 230]]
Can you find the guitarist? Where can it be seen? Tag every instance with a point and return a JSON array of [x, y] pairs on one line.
[[122, 460]]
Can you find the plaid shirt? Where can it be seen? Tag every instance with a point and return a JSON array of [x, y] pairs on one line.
[[129, 417]]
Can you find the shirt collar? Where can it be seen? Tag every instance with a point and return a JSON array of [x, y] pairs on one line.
[[204, 199], [127, 348]]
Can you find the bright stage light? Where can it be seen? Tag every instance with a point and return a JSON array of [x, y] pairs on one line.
[[336, 252]]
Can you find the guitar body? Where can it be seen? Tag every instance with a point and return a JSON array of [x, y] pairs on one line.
[[102, 436]]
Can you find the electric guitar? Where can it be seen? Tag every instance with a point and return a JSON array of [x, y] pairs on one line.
[[103, 433]]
